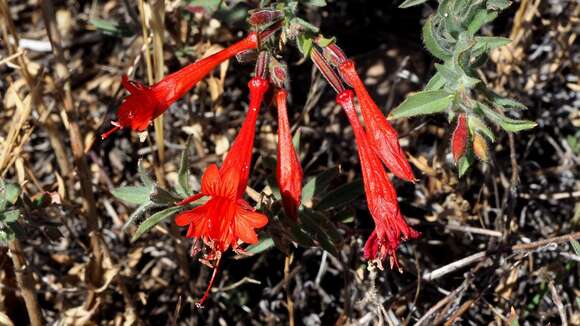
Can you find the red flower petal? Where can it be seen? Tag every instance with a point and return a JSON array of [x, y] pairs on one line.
[[381, 135], [390, 226], [288, 170]]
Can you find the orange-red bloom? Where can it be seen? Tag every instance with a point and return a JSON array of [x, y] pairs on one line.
[[390, 226], [226, 219], [288, 170], [459, 138], [145, 103], [381, 135]]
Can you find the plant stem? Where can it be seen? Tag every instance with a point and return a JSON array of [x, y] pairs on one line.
[[26, 283]]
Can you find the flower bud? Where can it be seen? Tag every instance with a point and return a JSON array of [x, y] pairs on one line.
[[480, 147], [459, 138]]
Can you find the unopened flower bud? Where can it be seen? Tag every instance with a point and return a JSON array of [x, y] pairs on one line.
[[480, 147]]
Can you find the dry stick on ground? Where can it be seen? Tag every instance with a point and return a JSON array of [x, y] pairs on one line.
[[26, 283]]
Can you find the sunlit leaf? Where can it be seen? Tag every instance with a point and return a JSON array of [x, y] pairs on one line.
[[421, 103], [155, 219]]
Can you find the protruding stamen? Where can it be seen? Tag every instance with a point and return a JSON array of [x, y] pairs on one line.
[[106, 134], [199, 305]]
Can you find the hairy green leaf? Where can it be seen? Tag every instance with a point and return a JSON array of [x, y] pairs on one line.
[[422, 103], [431, 42], [411, 3], [135, 195], [155, 219], [508, 124]]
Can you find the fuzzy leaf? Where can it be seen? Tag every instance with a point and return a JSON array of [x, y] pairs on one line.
[[422, 103], [491, 42], [135, 195], [137, 213], [155, 219], [183, 186], [261, 246], [464, 164], [435, 83], [340, 196], [162, 196], [476, 124], [304, 44], [10, 216], [431, 43], [144, 175], [481, 18], [317, 185], [315, 3], [411, 3], [576, 246], [498, 4], [508, 124]]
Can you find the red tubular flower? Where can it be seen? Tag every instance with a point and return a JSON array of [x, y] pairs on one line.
[[145, 103], [459, 138], [288, 169], [240, 154], [226, 219], [390, 226], [381, 135]]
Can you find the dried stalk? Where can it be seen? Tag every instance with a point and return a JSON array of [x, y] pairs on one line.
[[26, 283], [78, 151]]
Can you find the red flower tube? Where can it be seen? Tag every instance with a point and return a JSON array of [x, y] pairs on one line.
[[390, 226], [145, 103], [381, 135], [459, 138], [226, 219], [288, 170]]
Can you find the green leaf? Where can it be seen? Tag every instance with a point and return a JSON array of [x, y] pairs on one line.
[[304, 44], [464, 164], [144, 175], [476, 124], [421, 103], [162, 196], [208, 5], [498, 4], [576, 246], [155, 219], [318, 184], [183, 186], [341, 196], [110, 27], [304, 25], [12, 193], [481, 18], [435, 83], [503, 102], [135, 195], [490, 42], [431, 43], [506, 123], [411, 3], [324, 42], [137, 213], [325, 224], [261, 246], [315, 3], [10, 216]]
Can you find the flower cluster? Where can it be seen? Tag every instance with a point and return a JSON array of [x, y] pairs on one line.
[[225, 219]]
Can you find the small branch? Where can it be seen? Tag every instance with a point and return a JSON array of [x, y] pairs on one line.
[[479, 256], [26, 283], [558, 302]]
